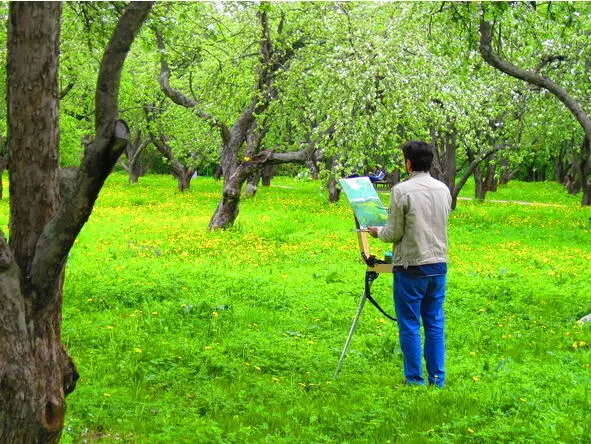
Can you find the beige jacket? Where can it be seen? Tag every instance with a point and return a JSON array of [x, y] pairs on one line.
[[417, 224]]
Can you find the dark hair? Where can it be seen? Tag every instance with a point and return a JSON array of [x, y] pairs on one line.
[[419, 153]]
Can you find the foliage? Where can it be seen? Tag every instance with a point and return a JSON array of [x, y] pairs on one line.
[[184, 335]]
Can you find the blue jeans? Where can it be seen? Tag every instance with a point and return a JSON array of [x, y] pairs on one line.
[[416, 299]]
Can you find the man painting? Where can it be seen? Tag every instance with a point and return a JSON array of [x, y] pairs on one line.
[[417, 226]]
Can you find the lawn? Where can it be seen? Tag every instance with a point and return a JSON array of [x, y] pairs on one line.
[[181, 335]]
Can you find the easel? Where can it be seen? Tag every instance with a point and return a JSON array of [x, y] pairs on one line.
[[374, 269]]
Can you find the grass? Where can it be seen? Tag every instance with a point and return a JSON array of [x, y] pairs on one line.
[[181, 335]]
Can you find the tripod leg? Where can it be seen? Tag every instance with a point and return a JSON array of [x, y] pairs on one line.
[[351, 331]]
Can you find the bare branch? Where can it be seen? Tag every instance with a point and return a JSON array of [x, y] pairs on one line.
[[177, 96]]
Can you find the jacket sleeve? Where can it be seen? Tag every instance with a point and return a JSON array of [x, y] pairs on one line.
[[394, 229]]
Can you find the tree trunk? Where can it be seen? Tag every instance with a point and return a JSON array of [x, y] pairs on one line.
[[267, 173], [444, 161], [334, 192], [585, 171], [182, 173], [32, 380], [313, 168], [47, 211], [227, 210], [138, 162], [469, 171], [505, 175]]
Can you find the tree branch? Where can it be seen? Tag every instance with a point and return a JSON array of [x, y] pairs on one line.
[[533, 78], [177, 96], [110, 140], [109, 77]]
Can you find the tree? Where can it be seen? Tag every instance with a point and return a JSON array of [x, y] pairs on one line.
[[138, 158], [536, 78], [48, 208], [273, 59]]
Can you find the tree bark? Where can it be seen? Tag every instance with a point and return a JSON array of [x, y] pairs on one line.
[[48, 209]]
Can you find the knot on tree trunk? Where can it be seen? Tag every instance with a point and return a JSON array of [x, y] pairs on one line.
[[52, 415]]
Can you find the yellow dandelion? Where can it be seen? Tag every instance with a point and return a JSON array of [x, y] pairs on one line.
[[138, 350], [476, 378]]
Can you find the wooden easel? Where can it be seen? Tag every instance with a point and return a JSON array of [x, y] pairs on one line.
[[371, 273]]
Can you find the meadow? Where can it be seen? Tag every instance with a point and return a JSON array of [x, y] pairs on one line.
[[182, 335]]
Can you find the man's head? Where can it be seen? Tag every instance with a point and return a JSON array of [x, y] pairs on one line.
[[419, 154]]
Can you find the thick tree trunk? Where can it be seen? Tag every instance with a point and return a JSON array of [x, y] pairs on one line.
[[182, 174], [227, 210], [469, 171], [47, 210], [484, 180], [35, 365]]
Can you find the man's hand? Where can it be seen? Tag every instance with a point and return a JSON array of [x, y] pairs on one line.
[[373, 231]]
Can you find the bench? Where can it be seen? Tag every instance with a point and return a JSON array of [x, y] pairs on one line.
[[382, 184]]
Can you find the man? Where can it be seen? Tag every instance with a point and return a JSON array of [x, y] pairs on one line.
[[377, 175], [417, 225]]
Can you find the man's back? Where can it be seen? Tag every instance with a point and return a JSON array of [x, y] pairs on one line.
[[424, 203]]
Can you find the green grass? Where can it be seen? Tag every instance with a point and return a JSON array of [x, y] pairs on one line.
[[181, 335]]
